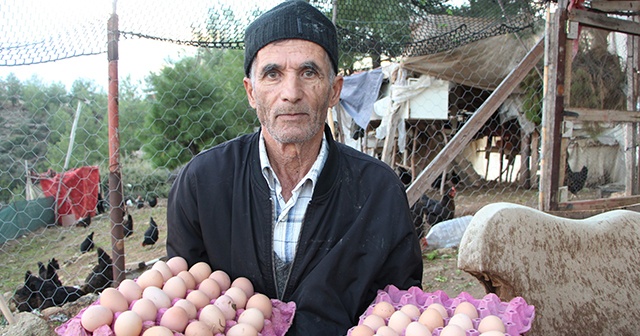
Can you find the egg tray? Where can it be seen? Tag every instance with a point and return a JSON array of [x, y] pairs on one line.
[[277, 325], [516, 314]]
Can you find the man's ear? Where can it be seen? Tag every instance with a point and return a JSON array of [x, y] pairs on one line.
[[336, 89], [248, 87]]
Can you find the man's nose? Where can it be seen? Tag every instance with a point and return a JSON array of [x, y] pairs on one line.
[[291, 88]]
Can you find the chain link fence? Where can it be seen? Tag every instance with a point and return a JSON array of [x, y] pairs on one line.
[[428, 66]]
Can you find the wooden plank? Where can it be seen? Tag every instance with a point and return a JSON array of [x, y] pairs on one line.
[[600, 203], [457, 144], [615, 6], [602, 21], [582, 214], [587, 114]]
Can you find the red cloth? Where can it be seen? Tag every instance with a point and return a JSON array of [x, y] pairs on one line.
[[78, 192]]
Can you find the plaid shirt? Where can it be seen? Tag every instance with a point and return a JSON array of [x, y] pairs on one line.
[[289, 215]]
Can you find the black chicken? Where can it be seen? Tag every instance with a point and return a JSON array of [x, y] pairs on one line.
[[101, 205], [84, 222], [87, 244], [101, 275], [50, 271], [139, 202], [151, 235], [153, 201], [128, 226], [431, 212], [575, 181], [39, 293]]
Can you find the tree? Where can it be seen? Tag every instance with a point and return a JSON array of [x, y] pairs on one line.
[[14, 89], [198, 102]]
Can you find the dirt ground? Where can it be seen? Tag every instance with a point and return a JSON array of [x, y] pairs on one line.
[[441, 273]]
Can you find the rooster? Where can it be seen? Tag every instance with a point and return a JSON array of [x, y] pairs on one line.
[[575, 181], [87, 244], [101, 275], [151, 235], [128, 226], [430, 212]]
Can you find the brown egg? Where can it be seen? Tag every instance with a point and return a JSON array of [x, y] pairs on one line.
[[491, 323], [386, 331], [177, 264], [417, 329], [175, 288], [374, 322], [200, 271], [158, 331], [210, 287], [128, 324], [114, 300], [130, 289], [150, 277], [198, 298], [440, 308], [238, 296], [242, 329], [362, 330], [431, 318], [383, 309], [254, 317], [162, 267], [245, 284], [467, 308], [146, 309], [262, 302], [411, 310], [189, 307], [188, 278], [227, 306], [399, 321], [96, 316], [222, 278], [197, 328], [461, 320], [157, 296], [175, 318], [213, 317]]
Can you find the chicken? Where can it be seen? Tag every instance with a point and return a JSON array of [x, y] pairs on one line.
[[39, 293], [101, 205], [128, 226], [101, 275], [139, 202], [50, 271], [431, 212], [84, 222], [153, 201], [151, 235], [87, 244], [575, 181]]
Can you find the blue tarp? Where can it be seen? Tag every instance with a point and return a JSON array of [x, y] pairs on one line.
[[23, 217]]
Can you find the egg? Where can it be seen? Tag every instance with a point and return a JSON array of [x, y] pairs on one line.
[[200, 271], [362, 330], [452, 330], [189, 307], [411, 310], [212, 316], [188, 278], [242, 329], [238, 296], [399, 321], [254, 317], [440, 308], [467, 308], [262, 302], [245, 284], [146, 309], [227, 306], [175, 318], [96, 316], [491, 323], [198, 298], [158, 331], [175, 288], [114, 300], [150, 277], [383, 309], [128, 324], [177, 264], [492, 333], [162, 267], [386, 331], [222, 278], [130, 289], [157, 296], [462, 320], [197, 328], [210, 287], [374, 322], [431, 318], [417, 329]]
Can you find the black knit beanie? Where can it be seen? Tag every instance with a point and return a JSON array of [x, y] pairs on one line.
[[290, 20]]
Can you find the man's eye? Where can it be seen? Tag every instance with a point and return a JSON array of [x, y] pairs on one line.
[[271, 75], [309, 73]]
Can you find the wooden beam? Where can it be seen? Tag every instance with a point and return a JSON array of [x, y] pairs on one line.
[[600, 203], [460, 140], [587, 114], [615, 6], [602, 21]]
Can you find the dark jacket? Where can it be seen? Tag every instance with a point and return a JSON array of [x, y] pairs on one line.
[[356, 238]]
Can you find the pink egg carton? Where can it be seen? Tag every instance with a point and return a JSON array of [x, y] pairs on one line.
[[280, 321], [516, 314]]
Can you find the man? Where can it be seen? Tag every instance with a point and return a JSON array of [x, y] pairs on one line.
[[306, 219]]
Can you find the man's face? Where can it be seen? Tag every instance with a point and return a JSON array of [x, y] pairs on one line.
[[291, 90]]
